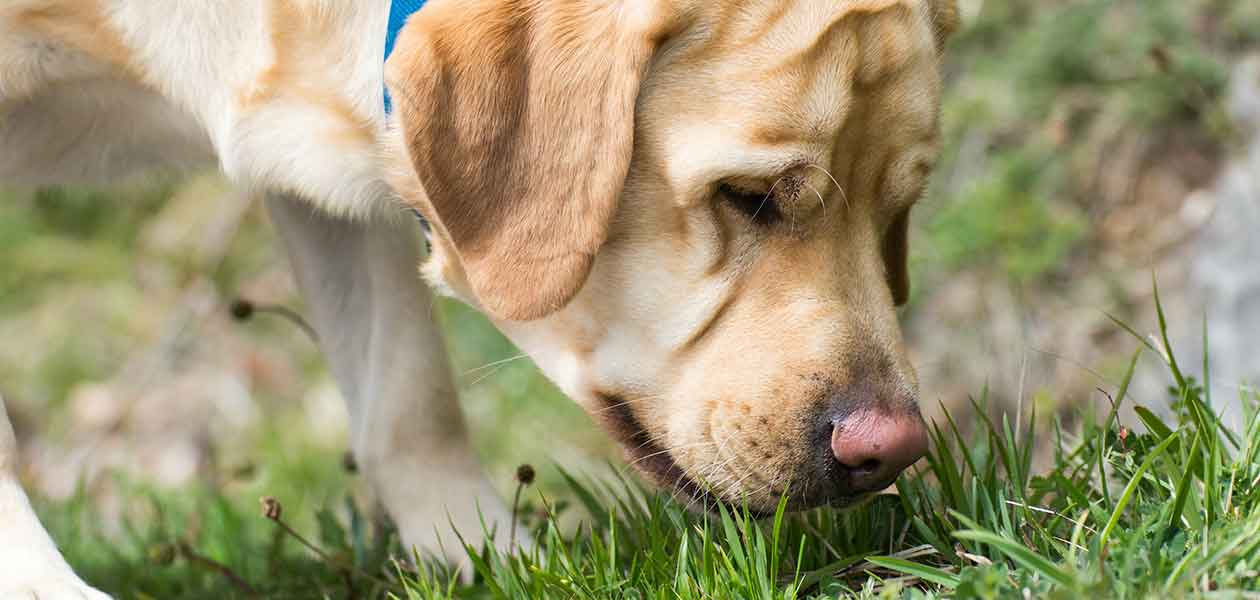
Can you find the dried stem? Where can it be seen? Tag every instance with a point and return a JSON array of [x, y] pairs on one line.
[[272, 510], [243, 310], [524, 477], [193, 557]]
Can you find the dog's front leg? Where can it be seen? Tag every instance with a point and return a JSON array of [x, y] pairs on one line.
[[30, 565], [373, 315]]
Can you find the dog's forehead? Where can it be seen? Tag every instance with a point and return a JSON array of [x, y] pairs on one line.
[[779, 79], [801, 58], [788, 27]]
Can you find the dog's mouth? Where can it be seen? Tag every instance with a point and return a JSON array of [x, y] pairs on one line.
[[645, 454], [657, 464]]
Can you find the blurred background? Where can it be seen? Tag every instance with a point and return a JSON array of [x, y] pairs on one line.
[[1089, 145]]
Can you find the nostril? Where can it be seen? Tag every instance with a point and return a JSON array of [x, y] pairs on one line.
[[872, 447]]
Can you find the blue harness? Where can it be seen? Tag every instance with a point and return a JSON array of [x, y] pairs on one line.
[[399, 10]]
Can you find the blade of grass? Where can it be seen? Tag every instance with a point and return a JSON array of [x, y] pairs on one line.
[[1020, 554], [1153, 423], [1131, 488], [958, 436], [586, 497], [1207, 419], [1132, 332], [812, 578], [1183, 486], [1207, 372], [1124, 389], [940, 577], [1211, 487], [1163, 334], [1103, 484]]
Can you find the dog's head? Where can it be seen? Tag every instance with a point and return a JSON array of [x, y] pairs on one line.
[[692, 214]]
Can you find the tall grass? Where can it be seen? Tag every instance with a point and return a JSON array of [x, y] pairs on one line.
[[1173, 511]]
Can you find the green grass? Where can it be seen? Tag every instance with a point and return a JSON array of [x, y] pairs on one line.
[[1172, 511]]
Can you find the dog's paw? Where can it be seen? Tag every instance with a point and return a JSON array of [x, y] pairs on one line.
[[476, 516], [52, 587], [30, 565]]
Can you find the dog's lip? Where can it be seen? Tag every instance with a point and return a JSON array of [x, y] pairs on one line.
[[642, 452], [658, 465], [840, 498]]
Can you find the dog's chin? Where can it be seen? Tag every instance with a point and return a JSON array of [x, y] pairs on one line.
[[670, 477], [848, 502], [659, 468], [834, 498]]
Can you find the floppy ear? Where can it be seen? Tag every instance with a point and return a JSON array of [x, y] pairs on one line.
[[518, 118], [896, 253], [945, 20]]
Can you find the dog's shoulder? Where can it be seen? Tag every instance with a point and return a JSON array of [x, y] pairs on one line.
[[287, 93]]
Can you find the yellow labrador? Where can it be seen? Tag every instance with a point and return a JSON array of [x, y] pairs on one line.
[[691, 213]]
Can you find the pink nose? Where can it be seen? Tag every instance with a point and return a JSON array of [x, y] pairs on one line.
[[874, 447]]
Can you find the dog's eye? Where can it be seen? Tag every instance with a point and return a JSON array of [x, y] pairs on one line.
[[759, 206]]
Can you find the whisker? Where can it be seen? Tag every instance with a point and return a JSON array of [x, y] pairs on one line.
[[843, 195], [668, 451], [493, 364], [713, 486], [735, 487], [751, 473], [486, 376], [651, 439], [716, 467], [497, 367], [769, 194], [627, 402], [817, 193]]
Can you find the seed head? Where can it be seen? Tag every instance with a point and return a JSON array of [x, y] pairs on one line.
[[241, 309], [270, 508], [348, 463]]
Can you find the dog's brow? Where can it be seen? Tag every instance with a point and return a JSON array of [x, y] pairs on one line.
[[768, 162], [773, 135]]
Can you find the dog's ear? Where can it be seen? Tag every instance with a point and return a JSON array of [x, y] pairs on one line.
[[896, 253], [518, 117], [945, 19]]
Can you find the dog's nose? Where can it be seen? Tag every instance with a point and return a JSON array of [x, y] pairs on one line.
[[872, 447]]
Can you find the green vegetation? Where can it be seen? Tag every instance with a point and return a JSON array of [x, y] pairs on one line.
[[1002, 218], [1120, 514]]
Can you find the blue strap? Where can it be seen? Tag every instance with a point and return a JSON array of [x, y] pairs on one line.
[[399, 11]]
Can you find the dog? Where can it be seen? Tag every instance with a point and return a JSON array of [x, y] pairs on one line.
[[692, 214]]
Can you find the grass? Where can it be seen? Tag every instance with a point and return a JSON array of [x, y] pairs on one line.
[[1171, 511]]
